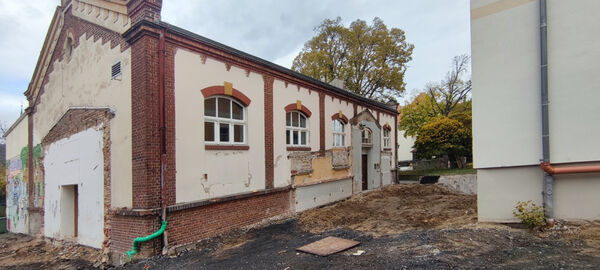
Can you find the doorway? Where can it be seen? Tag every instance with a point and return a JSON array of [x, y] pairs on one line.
[[365, 174], [69, 211]]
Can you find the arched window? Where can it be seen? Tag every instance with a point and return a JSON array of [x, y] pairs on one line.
[[338, 133], [296, 129], [367, 136], [224, 121], [386, 138]]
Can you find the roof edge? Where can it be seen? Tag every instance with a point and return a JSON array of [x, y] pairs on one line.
[[257, 60], [14, 125]]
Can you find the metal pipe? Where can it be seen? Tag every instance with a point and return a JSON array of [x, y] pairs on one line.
[[163, 141], [548, 189], [549, 169]]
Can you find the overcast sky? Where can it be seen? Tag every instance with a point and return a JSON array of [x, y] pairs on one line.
[[275, 30]]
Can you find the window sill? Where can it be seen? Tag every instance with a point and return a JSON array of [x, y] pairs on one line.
[[387, 149], [226, 147], [298, 148]]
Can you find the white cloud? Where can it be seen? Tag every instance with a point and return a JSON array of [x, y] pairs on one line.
[[10, 107], [271, 29]]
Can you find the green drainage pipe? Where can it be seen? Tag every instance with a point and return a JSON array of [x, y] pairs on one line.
[[139, 240]]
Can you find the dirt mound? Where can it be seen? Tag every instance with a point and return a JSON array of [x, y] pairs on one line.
[[394, 209], [18, 251]]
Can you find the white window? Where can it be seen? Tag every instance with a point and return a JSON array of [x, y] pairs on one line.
[[296, 133], [224, 121], [338, 133], [386, 138], [367, 136]]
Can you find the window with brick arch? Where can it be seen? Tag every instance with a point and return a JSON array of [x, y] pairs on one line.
[[296, 129], [339, 136], [386, 138], [224, 121]]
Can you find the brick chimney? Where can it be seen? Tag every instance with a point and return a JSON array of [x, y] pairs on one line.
[[139, 10]]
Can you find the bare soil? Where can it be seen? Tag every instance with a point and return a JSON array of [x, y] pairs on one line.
[[399, 227], [394, 209], [19, 251]]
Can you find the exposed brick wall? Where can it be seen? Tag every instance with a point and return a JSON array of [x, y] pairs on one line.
[[194, 224], [126, 228], [269, 151], [144, 10], [170, 122], [145, 122], [321, 121]]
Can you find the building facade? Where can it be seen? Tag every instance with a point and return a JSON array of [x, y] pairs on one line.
[[515, 57], [133, 120]]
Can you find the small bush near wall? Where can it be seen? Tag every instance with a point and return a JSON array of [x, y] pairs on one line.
[[530, 214]]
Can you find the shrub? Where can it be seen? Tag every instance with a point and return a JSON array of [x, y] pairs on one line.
[[530, 214]]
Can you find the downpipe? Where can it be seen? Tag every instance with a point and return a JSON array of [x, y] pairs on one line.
[[548, 189], [163, 141]]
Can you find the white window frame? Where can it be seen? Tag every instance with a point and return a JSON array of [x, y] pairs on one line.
[[290, 129], [386, 138], [230, 121], [369, 137], [339, 134]]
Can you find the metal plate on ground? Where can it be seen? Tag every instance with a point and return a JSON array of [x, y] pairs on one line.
[[328, 246]]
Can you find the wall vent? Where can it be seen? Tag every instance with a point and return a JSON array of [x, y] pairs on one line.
[[115, 71]]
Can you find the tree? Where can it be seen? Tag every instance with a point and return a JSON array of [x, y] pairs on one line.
[[453, 90], [444, 136], [415, 114], [370, 59], [449, 97]]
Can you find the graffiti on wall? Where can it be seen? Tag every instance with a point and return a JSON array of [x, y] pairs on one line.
[[16, 195], [17, 199]]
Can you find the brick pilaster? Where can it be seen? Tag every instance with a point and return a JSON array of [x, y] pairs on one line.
[[145, 122], [321, 121], [269, 152]]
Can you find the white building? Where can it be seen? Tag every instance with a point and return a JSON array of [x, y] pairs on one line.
[[507, 42]]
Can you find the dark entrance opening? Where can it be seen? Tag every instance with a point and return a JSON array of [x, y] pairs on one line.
[[365, 174]]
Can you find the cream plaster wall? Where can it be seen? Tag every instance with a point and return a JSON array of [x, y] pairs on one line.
[[333, 107], [506, 89], [17, 139], [283, 96], [498, 191], [505, 48], [203, 174], [85, 81], [506, 104], [574, 84], [77, 160], [405, 146]]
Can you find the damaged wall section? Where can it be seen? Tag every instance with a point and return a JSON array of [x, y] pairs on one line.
[[321, 177]]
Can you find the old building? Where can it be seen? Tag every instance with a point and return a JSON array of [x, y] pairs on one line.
[[535, 107], [132, 120]]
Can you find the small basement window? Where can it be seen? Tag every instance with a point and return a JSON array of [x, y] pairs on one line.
[[115, 70]]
